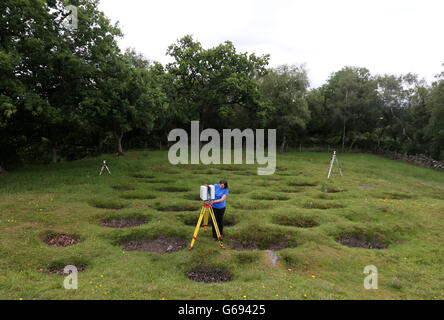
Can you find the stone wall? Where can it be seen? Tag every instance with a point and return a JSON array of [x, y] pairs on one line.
[[418, 159]]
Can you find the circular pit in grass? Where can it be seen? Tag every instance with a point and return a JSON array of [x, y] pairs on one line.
[[161, 244], [61, 240], [60, 269], [299, 222], [209, 274], [355, 241]]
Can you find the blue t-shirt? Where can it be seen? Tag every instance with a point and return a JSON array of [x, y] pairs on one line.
[[219, 194]]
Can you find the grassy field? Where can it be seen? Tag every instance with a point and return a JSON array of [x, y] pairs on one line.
[[296, 208]]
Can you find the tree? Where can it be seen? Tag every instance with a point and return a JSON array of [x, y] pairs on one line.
[[351, 93], [214, 85], [435, 128], [284, 89], [126, 96]]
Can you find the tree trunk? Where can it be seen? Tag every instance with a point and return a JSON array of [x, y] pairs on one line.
[[54, 153], [343, 131], [284, 140], [100, 147], [119, 137]]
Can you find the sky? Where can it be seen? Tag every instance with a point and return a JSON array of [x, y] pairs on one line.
[[385, 36]]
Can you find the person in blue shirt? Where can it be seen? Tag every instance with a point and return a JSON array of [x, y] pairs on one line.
[[218, 205]]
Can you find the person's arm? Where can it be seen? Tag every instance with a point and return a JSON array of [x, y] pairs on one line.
[[220, 200]]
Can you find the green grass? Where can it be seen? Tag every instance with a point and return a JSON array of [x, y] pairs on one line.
[[297, 205]]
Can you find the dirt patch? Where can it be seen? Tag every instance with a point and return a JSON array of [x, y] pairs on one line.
[[366, 188], [160, 245], [60, 269], [61, 240], [299, 222], [123, 223], [357, 242], [209, 275]]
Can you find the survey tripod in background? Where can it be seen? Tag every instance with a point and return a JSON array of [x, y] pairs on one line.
[[104, 166], [333, 159]]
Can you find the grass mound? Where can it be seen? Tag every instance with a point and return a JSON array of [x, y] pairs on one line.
[[256, 205], [173, 189], [269, 196], [322, 206], [300, 222], [192, 196], [302, 183], [123, 223], [123, 187], [177, 207], [107, 204], [138, 196], [262, 238], [143, 176]]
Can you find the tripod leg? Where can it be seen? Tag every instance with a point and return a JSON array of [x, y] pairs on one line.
[[331, 166], [216, 228], [205, 222], [197, 228], [339, 166], [101, 171], [108, 170]]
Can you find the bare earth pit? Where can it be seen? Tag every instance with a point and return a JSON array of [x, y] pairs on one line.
[[209, 275], [61, 240], [160, 245], [60, 269], [355, 242]]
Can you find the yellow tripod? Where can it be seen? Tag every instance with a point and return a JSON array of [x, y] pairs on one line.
[[206, 209]]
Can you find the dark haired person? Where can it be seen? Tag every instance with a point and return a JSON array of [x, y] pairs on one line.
[[221, 193]]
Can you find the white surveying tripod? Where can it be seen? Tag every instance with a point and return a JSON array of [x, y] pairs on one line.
[[333, 158], [104, 166]]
